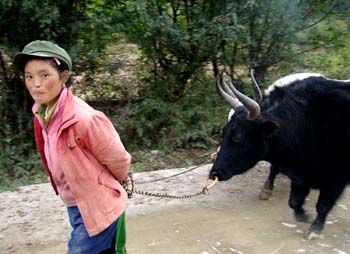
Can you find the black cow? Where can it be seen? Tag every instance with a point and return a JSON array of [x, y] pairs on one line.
[[268, 186], [302, 129]]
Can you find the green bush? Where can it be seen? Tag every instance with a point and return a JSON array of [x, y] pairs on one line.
[[192, 122], [18, 169], [19, 161]]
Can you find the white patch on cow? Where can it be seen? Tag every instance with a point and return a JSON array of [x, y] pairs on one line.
[[289, 225], [230, 114], [285, 81], [340, 80]]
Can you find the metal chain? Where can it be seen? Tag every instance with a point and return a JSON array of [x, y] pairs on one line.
[[166, 195], [204, 191]]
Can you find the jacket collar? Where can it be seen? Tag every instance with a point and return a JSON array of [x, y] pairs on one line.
[[69, 116], [65, 105]]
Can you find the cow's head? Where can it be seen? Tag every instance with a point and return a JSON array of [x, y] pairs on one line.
[[245, 136]]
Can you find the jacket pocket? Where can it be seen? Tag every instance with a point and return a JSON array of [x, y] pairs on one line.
[[72, 141], [109, 183]]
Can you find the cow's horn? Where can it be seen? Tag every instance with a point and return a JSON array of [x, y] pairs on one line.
[[256, 87], [226, 93], [252, 106]]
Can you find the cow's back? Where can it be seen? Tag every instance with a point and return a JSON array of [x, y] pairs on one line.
[[314, 127]]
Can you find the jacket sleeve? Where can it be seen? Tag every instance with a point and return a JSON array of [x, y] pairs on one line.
[[104, 142]]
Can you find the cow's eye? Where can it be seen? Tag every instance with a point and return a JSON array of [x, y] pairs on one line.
[[236, 139]]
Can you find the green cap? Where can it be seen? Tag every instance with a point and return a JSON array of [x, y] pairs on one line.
[[41, 49]]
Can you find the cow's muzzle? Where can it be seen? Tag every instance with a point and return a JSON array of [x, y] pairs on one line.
[[213, 175]]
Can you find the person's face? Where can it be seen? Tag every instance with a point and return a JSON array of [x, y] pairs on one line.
[[43, 81]]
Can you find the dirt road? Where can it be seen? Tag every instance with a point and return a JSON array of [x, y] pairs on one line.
[[231, 219]]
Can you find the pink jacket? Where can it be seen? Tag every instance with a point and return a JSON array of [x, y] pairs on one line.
[[93, 160]]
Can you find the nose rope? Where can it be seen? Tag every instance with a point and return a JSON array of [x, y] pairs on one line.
[[207, 187]]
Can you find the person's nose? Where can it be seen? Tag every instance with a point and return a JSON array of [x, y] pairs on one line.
[[37, 82]]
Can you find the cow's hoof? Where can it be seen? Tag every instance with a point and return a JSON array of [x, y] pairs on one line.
[[302, 217], [311, 235], [265, 194]]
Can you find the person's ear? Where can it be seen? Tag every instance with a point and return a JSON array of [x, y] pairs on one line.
[[65, 76]]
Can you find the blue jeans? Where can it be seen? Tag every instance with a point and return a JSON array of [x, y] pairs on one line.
[[82, 243]]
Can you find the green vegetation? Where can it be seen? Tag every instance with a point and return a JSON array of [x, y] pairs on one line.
[[150, 65]]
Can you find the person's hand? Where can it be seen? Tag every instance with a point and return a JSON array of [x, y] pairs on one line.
[[128, 184]]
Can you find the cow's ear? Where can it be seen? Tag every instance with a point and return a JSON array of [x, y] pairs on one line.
[[269, 128]]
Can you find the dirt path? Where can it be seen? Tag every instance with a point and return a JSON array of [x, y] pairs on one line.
[[231, 219]]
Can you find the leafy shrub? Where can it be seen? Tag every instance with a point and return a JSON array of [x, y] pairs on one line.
[[17, 169], [19, 160], [191, 122]]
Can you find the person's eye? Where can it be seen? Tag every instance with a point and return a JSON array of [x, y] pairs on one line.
[[45, 75], [28, 77]]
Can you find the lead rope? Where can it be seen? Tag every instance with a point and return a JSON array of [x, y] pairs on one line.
[[129, 186]]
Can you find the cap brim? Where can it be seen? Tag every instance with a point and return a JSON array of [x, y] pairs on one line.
[[19, 61]]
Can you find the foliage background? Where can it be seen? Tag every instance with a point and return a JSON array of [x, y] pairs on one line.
[[150, 65]]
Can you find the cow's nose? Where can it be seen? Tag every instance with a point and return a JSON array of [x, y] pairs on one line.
[[213, 174]]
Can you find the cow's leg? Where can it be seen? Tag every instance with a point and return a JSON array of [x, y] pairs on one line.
[[297, 197], [326, 200], [267, 189]]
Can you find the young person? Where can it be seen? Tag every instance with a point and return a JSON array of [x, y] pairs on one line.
[[79, 148]]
